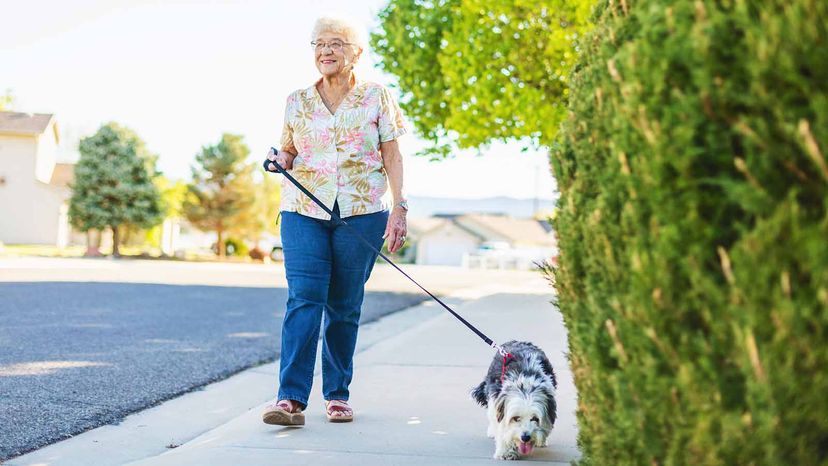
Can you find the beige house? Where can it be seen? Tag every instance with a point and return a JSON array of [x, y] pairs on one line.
[[34, 187], [482, 240]]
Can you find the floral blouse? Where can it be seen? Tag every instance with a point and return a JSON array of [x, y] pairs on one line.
[[338, 157]]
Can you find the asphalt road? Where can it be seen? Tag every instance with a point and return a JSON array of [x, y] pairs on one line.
[[78, 355]]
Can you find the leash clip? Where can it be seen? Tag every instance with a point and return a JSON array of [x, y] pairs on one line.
[[506, 356], [500, 350]]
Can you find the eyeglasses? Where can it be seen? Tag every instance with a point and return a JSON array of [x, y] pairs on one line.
[[335, 45]]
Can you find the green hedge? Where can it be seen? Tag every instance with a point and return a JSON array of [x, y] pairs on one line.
[[693, 226]]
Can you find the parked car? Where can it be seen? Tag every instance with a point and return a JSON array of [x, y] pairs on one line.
[[493, 246]]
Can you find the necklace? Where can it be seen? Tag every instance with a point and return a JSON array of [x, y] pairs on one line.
[[330, 103]]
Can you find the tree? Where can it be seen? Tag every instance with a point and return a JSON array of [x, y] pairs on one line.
[[113, 184], [7, 101], [261, 217], [173, 194], [473, 71], [270, 195], [222, 191]]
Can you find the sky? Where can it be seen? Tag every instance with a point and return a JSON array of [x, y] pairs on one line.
[[182, 72]]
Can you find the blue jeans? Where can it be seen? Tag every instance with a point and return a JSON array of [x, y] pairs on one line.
[[326, 267]]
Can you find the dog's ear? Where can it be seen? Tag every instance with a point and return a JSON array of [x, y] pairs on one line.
[[551, 407], [500, 407], [479, 394], [547, 368]]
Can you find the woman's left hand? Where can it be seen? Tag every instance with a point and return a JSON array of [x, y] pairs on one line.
[[396, 229]]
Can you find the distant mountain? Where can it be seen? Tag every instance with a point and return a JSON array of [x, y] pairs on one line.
[[519, 208]]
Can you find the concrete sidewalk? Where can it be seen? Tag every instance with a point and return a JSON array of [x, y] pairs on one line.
[[413, 373]]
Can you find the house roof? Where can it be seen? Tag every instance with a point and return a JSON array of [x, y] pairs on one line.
[[503, 228], [487, 227], [418, 227], [63, 174], [24, 123]]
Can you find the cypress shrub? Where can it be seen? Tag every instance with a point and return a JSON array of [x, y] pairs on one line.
[[693, 228]]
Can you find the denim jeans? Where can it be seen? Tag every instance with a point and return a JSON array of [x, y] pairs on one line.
[[326, 267]]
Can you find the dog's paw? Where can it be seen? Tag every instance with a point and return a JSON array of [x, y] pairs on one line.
[[541, 442], [507, 455]]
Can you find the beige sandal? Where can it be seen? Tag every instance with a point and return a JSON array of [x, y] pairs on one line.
[[284, 413], [338, 411]]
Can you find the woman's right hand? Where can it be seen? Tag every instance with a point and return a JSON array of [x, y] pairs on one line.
[[284, 159]]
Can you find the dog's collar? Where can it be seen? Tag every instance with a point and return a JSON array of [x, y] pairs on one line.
[[506, 358]]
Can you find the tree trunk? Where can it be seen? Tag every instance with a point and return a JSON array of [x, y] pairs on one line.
[[221, 245], [92, 244], [91, 250], [115, 239]]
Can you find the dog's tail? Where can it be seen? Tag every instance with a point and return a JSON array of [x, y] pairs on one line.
[[479, 394]]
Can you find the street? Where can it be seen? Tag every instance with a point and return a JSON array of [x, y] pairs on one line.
[[84, 343]]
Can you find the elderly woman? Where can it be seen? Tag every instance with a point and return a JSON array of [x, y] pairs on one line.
[[339, 141]]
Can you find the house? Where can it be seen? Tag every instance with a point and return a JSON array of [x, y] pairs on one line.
[[34, 186], [482, 240]]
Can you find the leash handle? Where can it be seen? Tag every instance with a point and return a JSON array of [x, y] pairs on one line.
[[281, 170]]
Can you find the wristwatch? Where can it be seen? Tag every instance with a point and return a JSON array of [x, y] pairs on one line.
[[404, 204]]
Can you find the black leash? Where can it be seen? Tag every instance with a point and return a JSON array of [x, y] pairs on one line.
[[336, 217]]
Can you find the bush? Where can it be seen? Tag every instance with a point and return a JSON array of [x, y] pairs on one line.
[[233, 247], [257, 254], [693, 229]]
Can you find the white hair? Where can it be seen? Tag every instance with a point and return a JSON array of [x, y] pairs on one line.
[[338, 24]]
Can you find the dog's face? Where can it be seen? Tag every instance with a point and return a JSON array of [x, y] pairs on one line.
[[523, 409]]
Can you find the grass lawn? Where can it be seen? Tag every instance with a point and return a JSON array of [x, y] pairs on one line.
[[11, 250], [127, 252]]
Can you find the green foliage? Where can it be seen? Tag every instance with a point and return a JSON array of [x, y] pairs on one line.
[[172, 205], [7, 101], [692, 226], [173, 194], [236, 247], [261, 216], [222, 191], [473, 71], [405, 255], [113, 184], [267, 201]]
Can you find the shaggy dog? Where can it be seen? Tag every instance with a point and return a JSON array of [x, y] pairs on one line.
[[520, 400]]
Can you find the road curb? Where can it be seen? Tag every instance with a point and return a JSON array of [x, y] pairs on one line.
[[153, 431]]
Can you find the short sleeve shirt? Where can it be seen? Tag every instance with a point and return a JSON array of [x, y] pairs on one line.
[[338, 157]]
